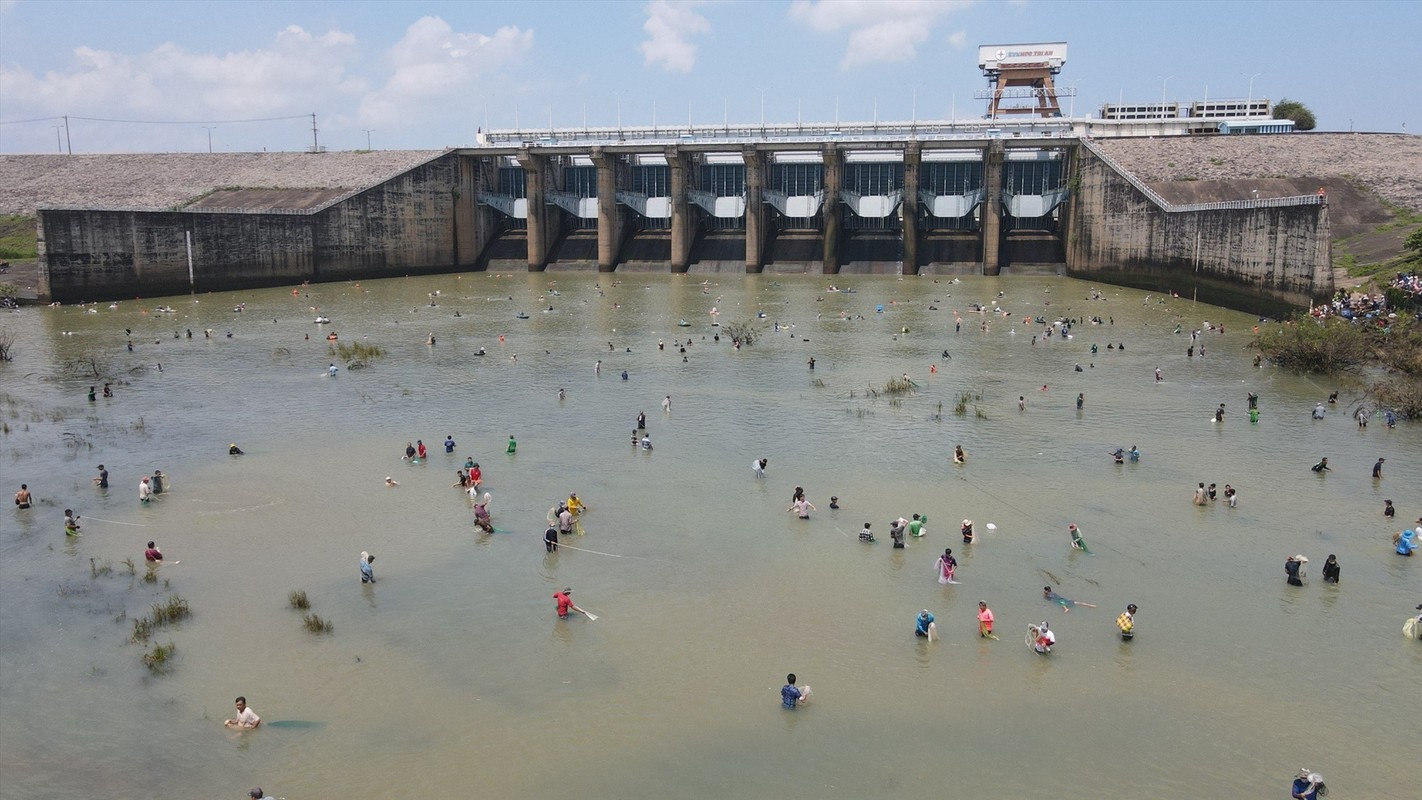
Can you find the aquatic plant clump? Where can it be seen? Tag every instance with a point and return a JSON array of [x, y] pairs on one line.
[[298, 600], [356, 352], [175, 608], [159, 659], [315, 624]]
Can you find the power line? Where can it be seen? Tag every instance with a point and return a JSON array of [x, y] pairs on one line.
[[26, 121], [156, 121], [191, 122]]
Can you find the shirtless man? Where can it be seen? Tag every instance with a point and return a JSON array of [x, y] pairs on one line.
[[22, 497]]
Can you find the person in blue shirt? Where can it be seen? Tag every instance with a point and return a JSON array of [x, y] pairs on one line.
[[367, 568], [923, 626], [449, 443], [1308, 786], [790, 694]]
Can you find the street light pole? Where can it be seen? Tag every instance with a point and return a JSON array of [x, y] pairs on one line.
[[1163, 82], [618, 94], [1251, 83]]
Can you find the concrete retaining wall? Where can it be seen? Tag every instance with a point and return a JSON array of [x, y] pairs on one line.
[[408, 224], [1262, 259]]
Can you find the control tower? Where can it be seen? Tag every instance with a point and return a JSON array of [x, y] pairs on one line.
[[1018, 72]]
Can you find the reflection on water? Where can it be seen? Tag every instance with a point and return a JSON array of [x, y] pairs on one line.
[[452, 675]]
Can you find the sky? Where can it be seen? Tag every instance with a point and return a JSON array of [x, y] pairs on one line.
[[428, 75]]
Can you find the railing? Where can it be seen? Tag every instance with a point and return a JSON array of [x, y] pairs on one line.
[[1226, 205]]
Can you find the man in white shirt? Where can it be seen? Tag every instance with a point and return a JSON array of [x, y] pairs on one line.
[[145, 490], [758, 466], [246, 718]]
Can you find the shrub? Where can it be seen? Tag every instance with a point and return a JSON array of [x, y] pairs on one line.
[[298, 600], [1304, 344]]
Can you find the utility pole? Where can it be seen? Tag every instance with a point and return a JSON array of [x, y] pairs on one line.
[[315, 145], [68, 143], [209, 129], [59, 143], [368, 132]]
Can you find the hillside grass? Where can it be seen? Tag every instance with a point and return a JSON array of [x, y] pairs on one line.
[[17, 237]]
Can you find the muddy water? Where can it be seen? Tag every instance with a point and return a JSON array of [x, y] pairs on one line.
[[452, 677]]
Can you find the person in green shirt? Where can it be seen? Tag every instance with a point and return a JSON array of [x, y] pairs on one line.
[[916, 527], [513, 445]]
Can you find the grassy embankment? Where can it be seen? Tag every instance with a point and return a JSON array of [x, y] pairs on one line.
[[1375, 256], [17, 238]]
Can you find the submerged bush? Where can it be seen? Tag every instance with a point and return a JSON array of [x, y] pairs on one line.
[[1308, 345]]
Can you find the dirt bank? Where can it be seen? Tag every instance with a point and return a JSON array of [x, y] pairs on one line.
[[1388, 164], [163, 180]]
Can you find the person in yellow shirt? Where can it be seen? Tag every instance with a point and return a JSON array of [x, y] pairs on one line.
[[575, 505], [1127, 623]]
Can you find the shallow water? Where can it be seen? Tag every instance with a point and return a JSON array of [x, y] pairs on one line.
[[452, 677]]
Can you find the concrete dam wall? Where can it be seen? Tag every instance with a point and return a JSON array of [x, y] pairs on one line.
[[1258, 255], [435, 215], [418, 221]]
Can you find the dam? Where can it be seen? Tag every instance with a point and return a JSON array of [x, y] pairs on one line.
[[985, 197]]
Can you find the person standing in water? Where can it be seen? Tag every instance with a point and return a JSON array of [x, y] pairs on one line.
[[449, 443], [666, 404], [513, 445], [1331, 569], [367, 567], [802, 508], [145, 491], [71, 522], [946, 565], [985, 620], [1321, 467], [1127, 623], [153, 555], [1080, 400], [1377, 469], [924, 626], [790, 694], [1077, 543], [641, 420], [246, 718], [758, 467]]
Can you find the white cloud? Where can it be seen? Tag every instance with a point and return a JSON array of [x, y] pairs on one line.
[[434, 61], [170, 82], [958, 40], [669, 27], [879, 30]]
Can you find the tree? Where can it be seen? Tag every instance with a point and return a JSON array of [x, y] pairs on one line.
[[1298, 112], [1414, 242]]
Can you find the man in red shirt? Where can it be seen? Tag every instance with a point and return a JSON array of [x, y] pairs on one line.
[[565, 603]]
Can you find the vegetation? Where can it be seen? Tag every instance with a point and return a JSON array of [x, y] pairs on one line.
[[1335, 346], [356, 353], [741, 332], [899, 386], [317, 625], [1414, 242], [1303, 344], [172, 610], [157, 660], [7, 342], [18, 237], [1298, 112], [298, 600]]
